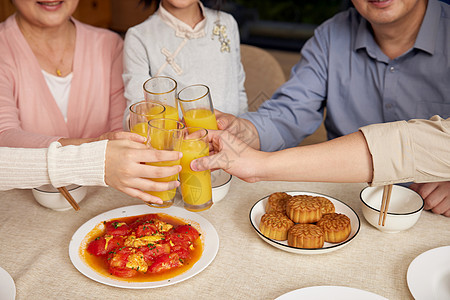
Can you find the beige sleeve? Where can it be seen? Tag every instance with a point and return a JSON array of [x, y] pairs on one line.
[[417, 150]]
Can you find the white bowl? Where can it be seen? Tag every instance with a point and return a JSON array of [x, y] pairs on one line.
[[50, 197], [220, 182], [404, 209]]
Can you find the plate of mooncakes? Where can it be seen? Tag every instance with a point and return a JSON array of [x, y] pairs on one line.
[[304, 222]]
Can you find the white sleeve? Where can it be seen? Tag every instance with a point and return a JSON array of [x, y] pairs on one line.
[[82, 165], [23, 168], [26, 168]]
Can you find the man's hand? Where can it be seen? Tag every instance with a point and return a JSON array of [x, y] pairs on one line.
[[241, 128], [436, 196], [231, 154]]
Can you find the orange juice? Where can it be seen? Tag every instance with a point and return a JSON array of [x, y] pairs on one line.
[[161, 138], [141, 113], [195, 186], [200, 117], [171, 113], [155, 112], [140, 128], [170, 194]]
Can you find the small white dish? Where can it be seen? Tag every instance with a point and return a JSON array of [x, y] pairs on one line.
[[404, 208], [258, 210], [428, 275], [209, 237], [220, 182], [48, 196], [7, 286], [330, 292]]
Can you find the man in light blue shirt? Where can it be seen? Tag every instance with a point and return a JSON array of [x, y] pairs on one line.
[[381, 61]]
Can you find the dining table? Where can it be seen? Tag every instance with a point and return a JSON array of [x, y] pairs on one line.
[[34, 249]]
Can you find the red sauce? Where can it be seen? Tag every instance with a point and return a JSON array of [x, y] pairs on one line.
[[100, 265]]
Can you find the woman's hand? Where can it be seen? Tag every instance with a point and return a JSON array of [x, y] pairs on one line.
[[113, 135], [125, 172], [122, 135]]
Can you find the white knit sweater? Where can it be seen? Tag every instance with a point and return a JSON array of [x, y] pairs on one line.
[[60, 166], [164, 45]]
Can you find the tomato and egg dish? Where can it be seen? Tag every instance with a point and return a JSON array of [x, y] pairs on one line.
[[149, 247]]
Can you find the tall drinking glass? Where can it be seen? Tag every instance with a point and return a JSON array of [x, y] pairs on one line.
[[195, 186], [165, 134], [163, 90], [142, 112], [196, 105]]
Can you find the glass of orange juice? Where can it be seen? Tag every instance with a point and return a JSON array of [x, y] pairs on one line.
[[165, 134], [195, 186], [163, 89], [142, 112], [196, 105]]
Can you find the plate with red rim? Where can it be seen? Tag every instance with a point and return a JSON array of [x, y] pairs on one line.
[[259, 209], [209, 236]]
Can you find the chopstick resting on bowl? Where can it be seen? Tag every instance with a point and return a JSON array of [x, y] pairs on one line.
[[385, 204], [69, 198]]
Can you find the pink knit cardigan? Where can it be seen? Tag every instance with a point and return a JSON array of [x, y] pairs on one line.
[[29, 115]]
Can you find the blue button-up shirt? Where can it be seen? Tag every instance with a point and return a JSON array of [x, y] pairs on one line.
[[343, 69]]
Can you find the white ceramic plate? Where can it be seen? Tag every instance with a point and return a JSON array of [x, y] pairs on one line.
[[7, 286], [428, 275], [330, 292], [258, 210], [209, 238]]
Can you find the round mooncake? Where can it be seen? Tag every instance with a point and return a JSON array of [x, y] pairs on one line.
[[305, 236], [277, 202], [303, 209], [336, 227], [326, 206], [275, 225]]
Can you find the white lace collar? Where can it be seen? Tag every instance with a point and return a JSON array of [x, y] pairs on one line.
[[182, 29]]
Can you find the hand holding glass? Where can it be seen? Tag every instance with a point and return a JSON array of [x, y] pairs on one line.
[[165, 134]]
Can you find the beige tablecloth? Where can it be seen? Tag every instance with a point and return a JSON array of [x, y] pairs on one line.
[[34, 249]]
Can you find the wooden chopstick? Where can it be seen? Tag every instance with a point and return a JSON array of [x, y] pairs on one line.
[[385, 204], [388, 199], [69, 198]]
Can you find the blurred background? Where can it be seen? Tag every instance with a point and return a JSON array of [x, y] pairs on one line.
[[280, 27], [281, 24], [273, 24]]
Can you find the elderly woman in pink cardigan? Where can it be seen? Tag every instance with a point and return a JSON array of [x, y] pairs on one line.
[[60, 80]]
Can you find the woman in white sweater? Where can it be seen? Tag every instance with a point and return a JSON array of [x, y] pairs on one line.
[[113, 163]]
